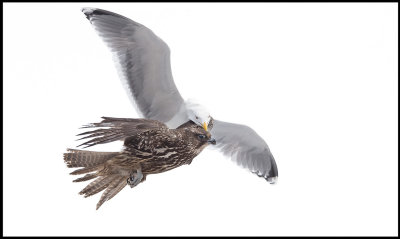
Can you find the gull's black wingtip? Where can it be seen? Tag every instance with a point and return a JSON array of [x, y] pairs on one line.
[[88, 11], [272, 180]]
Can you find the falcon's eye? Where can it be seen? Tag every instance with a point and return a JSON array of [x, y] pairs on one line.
[[202, 136]]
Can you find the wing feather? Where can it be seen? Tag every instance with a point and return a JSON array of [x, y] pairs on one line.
[[118, 129]]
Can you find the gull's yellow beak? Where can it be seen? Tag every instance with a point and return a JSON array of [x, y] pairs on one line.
[[205, 126]]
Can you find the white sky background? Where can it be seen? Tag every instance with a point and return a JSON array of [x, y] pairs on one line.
[[317, 81]]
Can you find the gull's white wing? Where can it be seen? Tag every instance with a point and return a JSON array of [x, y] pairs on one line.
[[143, 63], [246, 148]]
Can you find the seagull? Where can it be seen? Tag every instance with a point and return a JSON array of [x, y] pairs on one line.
[[143, 63]]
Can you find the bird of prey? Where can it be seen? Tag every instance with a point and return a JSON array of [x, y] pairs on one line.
[[143, 63], [150, 147]]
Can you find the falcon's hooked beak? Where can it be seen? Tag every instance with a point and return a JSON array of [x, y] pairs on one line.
[[205, 126], [212, 141]]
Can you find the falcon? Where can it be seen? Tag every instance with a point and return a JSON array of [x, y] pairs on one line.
[[150, 147], [143, 63]]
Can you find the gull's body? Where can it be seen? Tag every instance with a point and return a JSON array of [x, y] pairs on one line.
[[143, 63]]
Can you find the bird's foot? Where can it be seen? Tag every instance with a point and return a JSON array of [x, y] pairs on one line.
[[135, 178]]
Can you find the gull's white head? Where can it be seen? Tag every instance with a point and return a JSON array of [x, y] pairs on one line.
[[197, 113]]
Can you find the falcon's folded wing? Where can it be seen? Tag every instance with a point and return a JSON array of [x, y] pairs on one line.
[[118, 129]]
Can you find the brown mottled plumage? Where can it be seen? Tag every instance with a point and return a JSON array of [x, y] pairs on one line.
[[150, 147]]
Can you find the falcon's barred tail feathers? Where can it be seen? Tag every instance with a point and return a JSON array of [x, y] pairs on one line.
[[95, 161], [114, 187], [83, 158]]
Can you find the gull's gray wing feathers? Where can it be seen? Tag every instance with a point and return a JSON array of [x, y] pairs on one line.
[[143, 63], [246, 148]]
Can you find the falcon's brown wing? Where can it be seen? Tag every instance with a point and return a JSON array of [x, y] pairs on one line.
[[117, 129]]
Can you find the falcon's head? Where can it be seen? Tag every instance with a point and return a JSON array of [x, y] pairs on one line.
[[198, 114], [199, 136]]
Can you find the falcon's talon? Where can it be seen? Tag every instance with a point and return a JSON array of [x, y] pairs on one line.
[[135, 178]]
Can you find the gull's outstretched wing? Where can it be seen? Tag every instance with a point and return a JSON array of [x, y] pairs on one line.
[[143, 63], [246, 148]]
